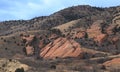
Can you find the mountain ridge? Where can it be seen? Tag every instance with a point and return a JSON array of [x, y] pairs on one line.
[[58, 18]]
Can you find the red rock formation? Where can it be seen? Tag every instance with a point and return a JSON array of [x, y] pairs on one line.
[[113, 39], [112, 64], [100, 38], [29, 50], [61, 48], [95, 32], [110, 29]]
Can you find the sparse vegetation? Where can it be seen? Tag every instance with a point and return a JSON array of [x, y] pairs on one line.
[[95, 30]]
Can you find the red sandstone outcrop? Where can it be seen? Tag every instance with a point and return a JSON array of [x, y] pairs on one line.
[[61, 48], [29, 50], [112, 64], [28, 47], [95, 29], [100, 38], [110, 29], [114, 39], [95, 32]]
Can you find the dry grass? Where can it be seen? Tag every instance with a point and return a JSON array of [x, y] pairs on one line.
[[67, 25]]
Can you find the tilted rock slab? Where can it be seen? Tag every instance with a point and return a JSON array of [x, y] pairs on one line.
[[61, 48]]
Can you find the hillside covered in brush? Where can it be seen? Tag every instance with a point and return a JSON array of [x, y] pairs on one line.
[[87, 14], [76, 39]]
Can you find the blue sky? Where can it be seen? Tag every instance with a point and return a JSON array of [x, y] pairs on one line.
[[27, 9]]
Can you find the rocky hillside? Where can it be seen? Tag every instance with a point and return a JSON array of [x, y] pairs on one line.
[[78, 38], [87, 14]]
